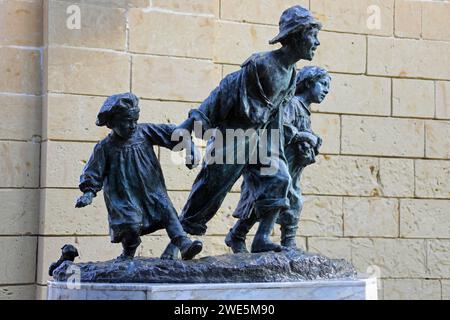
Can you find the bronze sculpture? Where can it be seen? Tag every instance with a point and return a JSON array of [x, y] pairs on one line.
[[266, 94]]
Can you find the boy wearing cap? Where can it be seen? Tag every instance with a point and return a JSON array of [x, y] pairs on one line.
[[301, 148], [251, 98], [124, 164]]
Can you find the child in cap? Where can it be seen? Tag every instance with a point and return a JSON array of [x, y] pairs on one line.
[[125, 165]]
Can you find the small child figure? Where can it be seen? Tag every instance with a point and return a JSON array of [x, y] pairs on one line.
[[124, 164], [301, 148]]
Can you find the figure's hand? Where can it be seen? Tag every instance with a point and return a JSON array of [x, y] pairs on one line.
[[311, 139], [188, 125], [193, 159], [307, 137], [319, 144], [84, 200]]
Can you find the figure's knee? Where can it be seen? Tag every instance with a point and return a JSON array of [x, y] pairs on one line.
[[296, 203], [284, 182], [289, 218], [194, 228]]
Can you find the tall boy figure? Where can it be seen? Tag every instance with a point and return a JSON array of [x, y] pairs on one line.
[[124, 164], [251, 98]]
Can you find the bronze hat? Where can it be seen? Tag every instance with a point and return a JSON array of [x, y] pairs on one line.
[[115, 103], [294, 19]]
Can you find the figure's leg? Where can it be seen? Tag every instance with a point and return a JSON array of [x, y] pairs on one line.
[[204, 200], [130, 242], [178, 238], [288, 229], [290, 218], [208, 192], [235, 239], [262, 242], [171, 252], [272, 198]]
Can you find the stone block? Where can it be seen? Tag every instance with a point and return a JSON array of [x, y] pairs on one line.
[[438, 258], [398, 58], [445, 289], [87, 72], [200, 7], [18, 261], [19, 164], [394, 258], [435, 20], [342, 175], [340, 52], [63, 162], [21, 23], [408, 19], [171, 34], [164, 111], [371, 217], [437, 139], [111, 3], [413, 98], [382, 136], [396, 177], [60, 217], [100, 26], [354, 94], [443, 99], [20, 70], [328, 127], [72, 117], [153, 78], [321, 216], [20, 211], [246, 40], [257, 11], [432, 178], [424, 218], [21, 117], [356, 16]]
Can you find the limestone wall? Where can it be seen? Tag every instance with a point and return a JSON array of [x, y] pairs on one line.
[[20, 141], [379, 196]]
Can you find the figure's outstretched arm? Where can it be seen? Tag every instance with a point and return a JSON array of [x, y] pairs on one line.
[[175, 138], [91, 180]]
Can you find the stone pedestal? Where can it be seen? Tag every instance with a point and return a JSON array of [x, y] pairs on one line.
[[345, 289]]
